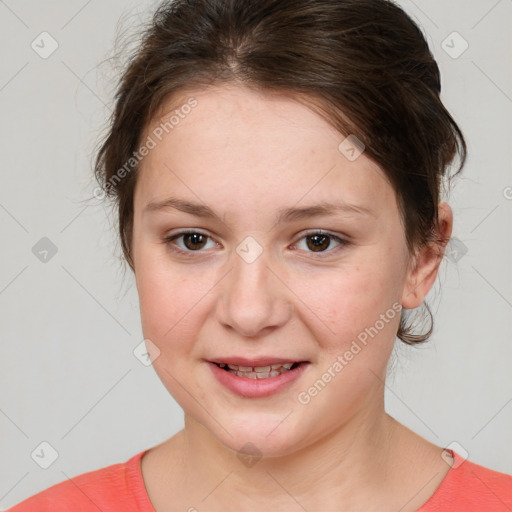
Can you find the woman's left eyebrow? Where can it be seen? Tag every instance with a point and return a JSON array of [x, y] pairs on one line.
[[283, 215], [323, 209]]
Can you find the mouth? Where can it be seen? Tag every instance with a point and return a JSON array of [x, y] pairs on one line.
[[257, 378], [259, 372]]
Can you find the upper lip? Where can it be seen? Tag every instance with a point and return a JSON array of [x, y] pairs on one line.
[[258, 361]]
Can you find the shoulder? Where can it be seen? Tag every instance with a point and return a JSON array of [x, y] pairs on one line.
[[470, 487], [114, 488]]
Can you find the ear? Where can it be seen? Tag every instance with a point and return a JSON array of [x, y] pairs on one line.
[[425, 265]]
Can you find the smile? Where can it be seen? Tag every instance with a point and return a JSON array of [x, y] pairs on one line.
[[258, 372], [257, 379]]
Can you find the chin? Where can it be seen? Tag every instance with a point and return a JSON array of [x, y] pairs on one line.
[[257, 435]]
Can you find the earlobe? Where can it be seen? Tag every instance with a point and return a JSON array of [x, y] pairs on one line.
[[427, 260]]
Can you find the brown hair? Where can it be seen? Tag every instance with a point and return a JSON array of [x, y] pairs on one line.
[[363, 64]]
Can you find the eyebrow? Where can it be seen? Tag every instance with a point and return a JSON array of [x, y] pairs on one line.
[[284, 215]]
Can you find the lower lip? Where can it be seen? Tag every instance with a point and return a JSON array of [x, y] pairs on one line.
[[256, 388]]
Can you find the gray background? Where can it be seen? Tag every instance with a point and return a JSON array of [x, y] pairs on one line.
[[69, 325]]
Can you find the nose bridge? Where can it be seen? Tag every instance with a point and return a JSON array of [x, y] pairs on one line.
[[253, 298]]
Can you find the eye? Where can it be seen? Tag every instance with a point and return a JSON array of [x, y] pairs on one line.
[[319, 241], [193, 241]]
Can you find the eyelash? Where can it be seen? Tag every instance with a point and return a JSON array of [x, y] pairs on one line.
[[169, 239]]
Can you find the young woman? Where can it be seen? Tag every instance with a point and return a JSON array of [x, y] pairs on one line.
[[277, 168]]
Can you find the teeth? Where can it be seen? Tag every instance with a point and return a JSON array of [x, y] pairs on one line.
[[257, 372], [262, 369]]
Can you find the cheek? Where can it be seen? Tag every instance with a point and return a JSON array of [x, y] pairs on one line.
[[162, 294], [173, 299], [345, 301], [166, 299], [361, 310], [173, 308]]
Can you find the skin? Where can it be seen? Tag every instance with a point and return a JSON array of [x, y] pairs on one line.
[[247, 155]]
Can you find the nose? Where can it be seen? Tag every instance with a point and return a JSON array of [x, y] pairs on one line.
[[254, 298]]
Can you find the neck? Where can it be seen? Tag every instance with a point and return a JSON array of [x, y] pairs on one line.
[[347, 465]]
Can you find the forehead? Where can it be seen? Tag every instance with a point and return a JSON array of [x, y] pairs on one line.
[[238, 143]]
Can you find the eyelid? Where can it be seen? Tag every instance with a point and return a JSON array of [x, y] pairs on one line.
[[317, 231], [186, 231]]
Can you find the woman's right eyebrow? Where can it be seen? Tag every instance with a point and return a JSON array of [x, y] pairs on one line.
[[199, 210]]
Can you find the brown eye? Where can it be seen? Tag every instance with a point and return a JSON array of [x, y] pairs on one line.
[[194, 241], [320, 242]]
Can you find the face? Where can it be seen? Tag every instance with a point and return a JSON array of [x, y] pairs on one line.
[[262, 275]]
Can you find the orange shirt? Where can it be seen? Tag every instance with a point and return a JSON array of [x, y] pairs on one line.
[[467, 487]]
